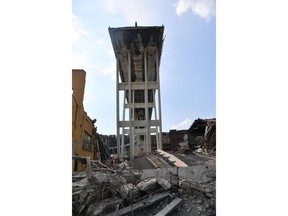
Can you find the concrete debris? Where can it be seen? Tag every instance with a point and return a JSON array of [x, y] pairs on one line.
[[159, 162], [77, 176], [206, 130], [81, 183], [124, 165], [124, 190], [177, 162], [170, 207], [141, 204], [184, 150], [103, 207], [148, 185], [165, 184], [189, 185]]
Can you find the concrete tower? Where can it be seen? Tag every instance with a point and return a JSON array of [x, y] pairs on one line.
[[138, 52]]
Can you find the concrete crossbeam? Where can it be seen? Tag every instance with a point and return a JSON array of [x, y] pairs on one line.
[[139, 123], [138, 86]]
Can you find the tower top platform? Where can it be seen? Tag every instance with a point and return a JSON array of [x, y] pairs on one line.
[[136, 40]]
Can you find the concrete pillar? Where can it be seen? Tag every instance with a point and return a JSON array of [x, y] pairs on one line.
[[117, 107], [159, 100], [123, 131], [130, 106]]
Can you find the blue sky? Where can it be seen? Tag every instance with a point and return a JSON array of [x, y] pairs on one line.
[[188, 62]]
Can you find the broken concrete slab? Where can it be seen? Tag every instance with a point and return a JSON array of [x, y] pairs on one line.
[[190, 185], [177, 162], [99, 177], [148, 185], [165, 173], [124, 190], [83, 197], [195, 173], [77, 176], [170, 207], [165, 184], [81, 183], [129, 192], [132, 185], [131, 175], [98, 208], [139, 205]]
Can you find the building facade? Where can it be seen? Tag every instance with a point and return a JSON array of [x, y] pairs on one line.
[[176, 137], [203, 135], [84, 132]]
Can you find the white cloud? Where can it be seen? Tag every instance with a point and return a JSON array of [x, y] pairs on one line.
[[203, 8], [81, 61], [99, 41], [111, 53], [185, 124], [77, 29], [110, 71], [182, 6]]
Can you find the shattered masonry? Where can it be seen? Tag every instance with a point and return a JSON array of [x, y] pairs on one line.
[[125, 190]]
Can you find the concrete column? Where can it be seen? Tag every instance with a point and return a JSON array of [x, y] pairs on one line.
[[159, 100], [155, 111], [130, 102], [146, 103], [132, 119], [117, 107], [123, 131]]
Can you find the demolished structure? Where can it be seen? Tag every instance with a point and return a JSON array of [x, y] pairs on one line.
[[83, 128], [171, 174], [160, 183], [203, 136], [86, 142], [169, 187], [138, 51]]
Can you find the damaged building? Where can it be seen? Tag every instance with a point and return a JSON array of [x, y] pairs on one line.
[[138, 51], [141, 170], [202, 134], [166, 146], [85, 140], [176, 137], [159, 183]]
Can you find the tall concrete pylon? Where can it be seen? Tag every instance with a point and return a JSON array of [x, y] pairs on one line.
[[138, 52]]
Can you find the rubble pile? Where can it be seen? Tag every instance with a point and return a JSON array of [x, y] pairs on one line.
[[199, 198], [128, 191]]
